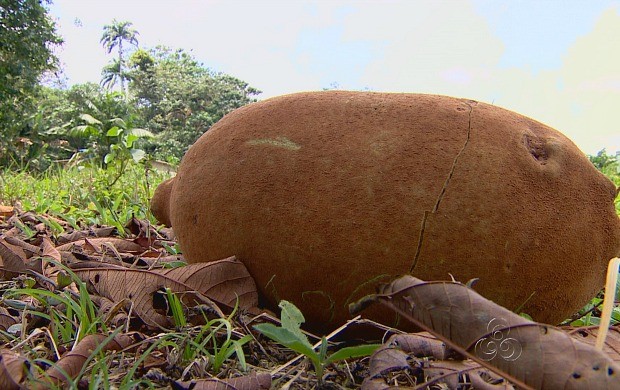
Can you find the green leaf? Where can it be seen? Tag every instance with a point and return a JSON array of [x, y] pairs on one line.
[[130, 139], [177, 309], [137, 154], [108, 158], [288, 339], [114, 131], [84, 131], [323, 349], [89, 119], [118, 122], [63, 280], [141, 133], [29, 282], [352, 352], [292, 318]]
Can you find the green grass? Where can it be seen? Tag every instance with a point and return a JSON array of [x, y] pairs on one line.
[[83, 195]]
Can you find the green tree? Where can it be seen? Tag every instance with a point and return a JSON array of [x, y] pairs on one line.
[[114, 35], [179, 99], [62, 127], [609, 165], [111, 74], [27, 41], [602, 160]]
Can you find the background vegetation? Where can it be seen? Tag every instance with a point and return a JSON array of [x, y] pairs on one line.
[[158, 100]]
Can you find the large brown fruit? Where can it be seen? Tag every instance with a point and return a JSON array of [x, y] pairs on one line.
[[323, 195]]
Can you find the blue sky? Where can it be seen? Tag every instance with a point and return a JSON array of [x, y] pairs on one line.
[[555, 61], [538, 33]]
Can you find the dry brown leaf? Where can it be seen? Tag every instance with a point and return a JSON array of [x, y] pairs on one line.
[[110, 311], [612, 342], [13, 259], [142, 228], [29, 249], [12, 232], [168, 233], [6, 211], [28, 217], [49, 250], [253, 381], [75, 235], [6, 320], [422, 345], [220, 281], [387, 359], [379, 384], [97, 243], [72, 362], [402, 360], [541, 356], [162, 261], [479, 383], [224, 280], [13, 369]]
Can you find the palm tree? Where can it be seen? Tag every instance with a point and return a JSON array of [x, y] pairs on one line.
[[111, 74], [113, 37]]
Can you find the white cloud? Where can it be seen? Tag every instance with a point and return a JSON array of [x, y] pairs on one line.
[[423, 43]]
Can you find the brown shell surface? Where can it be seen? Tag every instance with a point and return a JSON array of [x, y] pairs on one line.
[[323, 195]]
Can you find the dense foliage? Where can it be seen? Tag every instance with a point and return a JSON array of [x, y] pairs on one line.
[[166, 100], [27, 40], [179, 99], [609, 164]]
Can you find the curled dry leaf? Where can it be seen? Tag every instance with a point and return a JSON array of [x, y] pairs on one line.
[[111, 312], [13, 369], [423, 345], [588, 335], [541, 356], [458, 374], [6, 211], [75, 235], [397, 361], [253, 381], [221, 281], [6, 319], [91, 232], [49, 250], [224, 281], [13, 259], [142, 228], [72, 362], [387, 359], [28, 217], [162, 261], [96, 244], [29, 249]]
